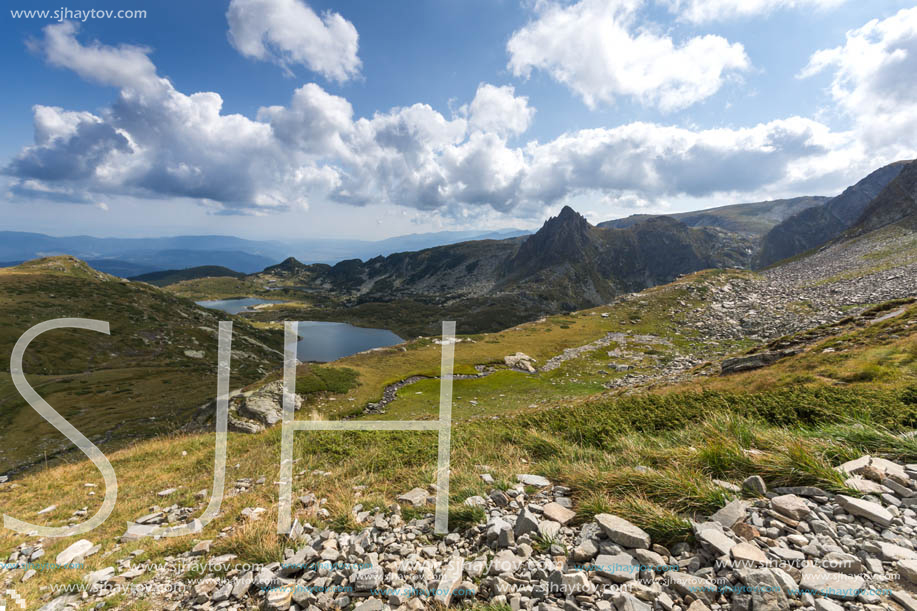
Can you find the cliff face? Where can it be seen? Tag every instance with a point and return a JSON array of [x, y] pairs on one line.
[[897, 203], [820, 224]]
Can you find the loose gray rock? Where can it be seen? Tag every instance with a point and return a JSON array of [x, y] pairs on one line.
[[622, 532]]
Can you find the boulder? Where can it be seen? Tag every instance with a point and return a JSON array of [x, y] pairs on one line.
[[753, 361], [74, 552], [265, 405], [520, 361]]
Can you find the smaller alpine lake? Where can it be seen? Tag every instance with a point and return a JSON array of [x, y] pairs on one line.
[[321, 341]]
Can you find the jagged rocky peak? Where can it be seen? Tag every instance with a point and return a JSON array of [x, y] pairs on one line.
[[569, 224], [568, 217], [563, 238]]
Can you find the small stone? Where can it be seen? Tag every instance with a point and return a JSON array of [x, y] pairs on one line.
[[746, 554], [908, 570], [279, 598], [892, 552], [905, 600], [137, 531], [697, 605], [475, 501], [833, 585], [505, 561], [686, 584], [865, 509], [716, 540], [416, 497], [526, 522], [823, 604], [790, 505], [584, 552], [755, 484], [533, 480], [451, 577], [558, 513], [865, 486], [842, 563], [746, 531], [731, 513], [367, 579], [620, 568], [765, 590], [242, 585], [371, 604], [622, 532]]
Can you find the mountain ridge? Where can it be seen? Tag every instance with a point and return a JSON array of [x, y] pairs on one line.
[[752, 218], [818, 225]]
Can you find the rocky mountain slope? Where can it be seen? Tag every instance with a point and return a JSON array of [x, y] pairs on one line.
[[896, 204], [820, 224]]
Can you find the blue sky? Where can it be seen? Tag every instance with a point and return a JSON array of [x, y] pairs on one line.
[[369, 119]]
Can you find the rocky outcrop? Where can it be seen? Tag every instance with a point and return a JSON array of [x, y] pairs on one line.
[[254, 411], [520, 361], [753, 361]]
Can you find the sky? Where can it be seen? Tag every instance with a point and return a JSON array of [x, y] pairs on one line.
[[288, 119]]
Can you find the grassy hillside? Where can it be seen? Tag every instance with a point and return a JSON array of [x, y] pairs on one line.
[[145, 378], [650, 456], [172, 276]]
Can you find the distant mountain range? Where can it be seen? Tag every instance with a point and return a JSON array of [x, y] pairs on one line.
[[128, 257]]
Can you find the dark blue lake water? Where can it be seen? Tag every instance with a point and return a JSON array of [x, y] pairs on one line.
[[322, 341]]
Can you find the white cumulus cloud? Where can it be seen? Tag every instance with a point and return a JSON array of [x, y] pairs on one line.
[[873, 80], [289, 32], [702, 11], [498, 109], [597, 49], [159, 143]]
